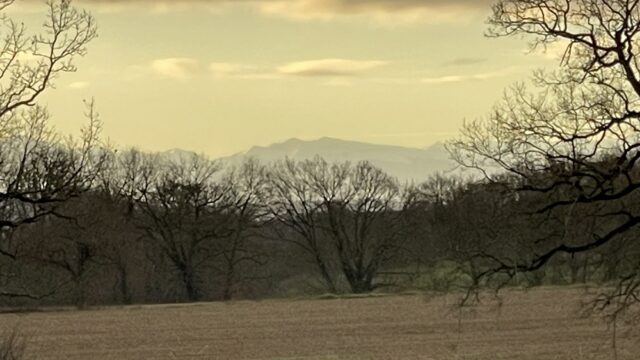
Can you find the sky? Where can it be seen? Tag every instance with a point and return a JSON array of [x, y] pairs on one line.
[[220, 76]]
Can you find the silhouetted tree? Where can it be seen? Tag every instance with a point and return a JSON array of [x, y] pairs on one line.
[[39, 171], [181, 206], [241, 256], [346, 217], [575, 139]]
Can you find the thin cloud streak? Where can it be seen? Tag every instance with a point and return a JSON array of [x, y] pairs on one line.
[[466, 61], [448, 79], [176, 68], [431, 11], [224, 69], [320, 68], [78, 85], [338, 72], [329, 67], [336, 5]]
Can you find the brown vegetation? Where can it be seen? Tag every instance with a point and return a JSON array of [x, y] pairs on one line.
[[543, 324]]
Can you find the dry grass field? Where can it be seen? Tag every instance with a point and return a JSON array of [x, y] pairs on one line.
[[537, 325]]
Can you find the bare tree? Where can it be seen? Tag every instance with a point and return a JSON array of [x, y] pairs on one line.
[[182, 205], [348, 218], [36, 167], [70, 249], [119, 189], [239, 251], [365, 223], [576, 138], [38, 170], [294, 206]]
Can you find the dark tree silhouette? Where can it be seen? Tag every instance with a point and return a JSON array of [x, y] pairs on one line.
[[346, 217], [239, 252], [182, 207], [39, 171], [575, 137]]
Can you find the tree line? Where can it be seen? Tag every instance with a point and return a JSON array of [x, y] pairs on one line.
[[146, 228]]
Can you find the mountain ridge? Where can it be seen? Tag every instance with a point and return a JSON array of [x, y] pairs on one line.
[[404, 163]]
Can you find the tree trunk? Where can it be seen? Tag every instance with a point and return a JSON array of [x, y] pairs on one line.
[[228, 284], [125, 292], [360, 282], [190, 286], [326, 276]]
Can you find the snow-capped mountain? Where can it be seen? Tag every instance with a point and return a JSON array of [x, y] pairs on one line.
[[407, 164]]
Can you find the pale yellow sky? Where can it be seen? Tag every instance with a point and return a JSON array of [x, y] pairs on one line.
[[221, 76]]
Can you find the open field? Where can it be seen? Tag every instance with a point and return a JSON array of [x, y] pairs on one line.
[[537, 325]]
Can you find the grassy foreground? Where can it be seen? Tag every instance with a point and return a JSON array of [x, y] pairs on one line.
[[539, 324]]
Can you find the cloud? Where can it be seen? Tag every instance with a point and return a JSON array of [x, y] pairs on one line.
[[176, 68], [79, 85], [329, 67], [433, 11], [223, 69], [385, 10], [332, 71], [447, 79], [335, 69], [345, 5], [464, 61]]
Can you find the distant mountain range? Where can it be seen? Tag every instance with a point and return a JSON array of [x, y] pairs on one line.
[[407, 164], [404, 163]]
